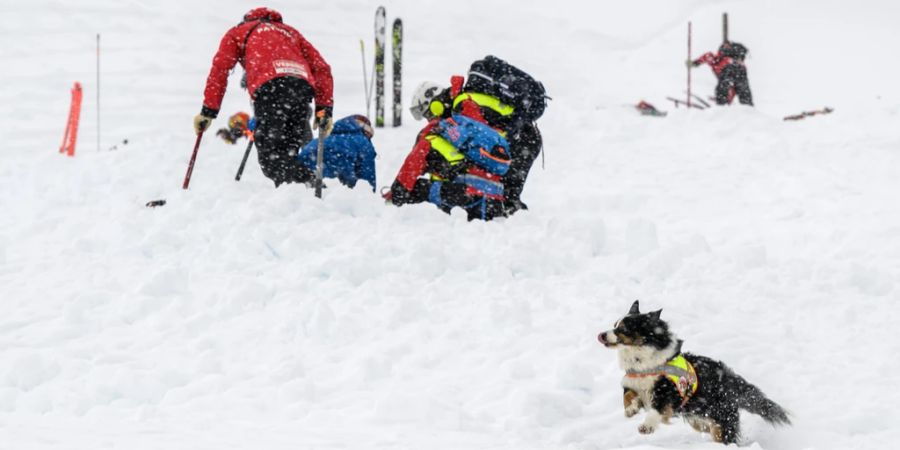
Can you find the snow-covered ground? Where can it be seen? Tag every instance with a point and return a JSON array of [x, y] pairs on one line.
[[240, 316]]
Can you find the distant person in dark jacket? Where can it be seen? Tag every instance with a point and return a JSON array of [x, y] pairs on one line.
[[728, 66]]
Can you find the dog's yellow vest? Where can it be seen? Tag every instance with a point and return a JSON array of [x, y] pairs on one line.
[[678, 370]]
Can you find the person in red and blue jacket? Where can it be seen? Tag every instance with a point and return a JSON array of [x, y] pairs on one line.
[[284, 73], [728, 66], [435, 172]]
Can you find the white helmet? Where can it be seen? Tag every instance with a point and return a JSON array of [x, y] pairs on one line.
[[422, 98]]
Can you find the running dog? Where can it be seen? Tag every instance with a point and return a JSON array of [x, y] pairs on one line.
[[666, 382]]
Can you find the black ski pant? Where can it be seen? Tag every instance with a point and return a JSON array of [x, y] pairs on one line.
[[525, 146], [734, 76], [282, 109]]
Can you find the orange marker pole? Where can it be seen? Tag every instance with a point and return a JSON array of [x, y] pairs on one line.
[[71, 134]]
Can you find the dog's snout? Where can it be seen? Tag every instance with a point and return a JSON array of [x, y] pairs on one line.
[[602, 338]]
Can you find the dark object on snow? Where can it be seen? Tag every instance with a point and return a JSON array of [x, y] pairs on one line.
[[646, 109], [679, 102], [700, 99], [155, 203], [116, 146], [805, 114]]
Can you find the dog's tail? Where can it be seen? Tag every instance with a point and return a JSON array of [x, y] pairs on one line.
[[753, 400]]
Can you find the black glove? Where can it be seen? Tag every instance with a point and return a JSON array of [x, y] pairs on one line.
[[400, 196], [323, 121]]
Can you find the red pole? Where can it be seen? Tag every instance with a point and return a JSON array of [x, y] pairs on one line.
[[690, 61], [187, 176], [71, 135], [62, 147]]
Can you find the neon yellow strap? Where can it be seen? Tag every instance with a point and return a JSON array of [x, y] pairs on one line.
[[485, 101], [446, 149]]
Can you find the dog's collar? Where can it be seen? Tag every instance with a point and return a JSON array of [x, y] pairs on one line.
[[678, 370]]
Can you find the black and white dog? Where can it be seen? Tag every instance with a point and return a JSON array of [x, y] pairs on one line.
[[666, 382]]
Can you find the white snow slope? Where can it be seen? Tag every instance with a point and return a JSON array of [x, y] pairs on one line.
[[239, 316]]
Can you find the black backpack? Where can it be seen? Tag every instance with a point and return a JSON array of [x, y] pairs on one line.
[[498, 78], [735, 50]]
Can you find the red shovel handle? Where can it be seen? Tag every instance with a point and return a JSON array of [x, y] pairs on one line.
[[190, 169]]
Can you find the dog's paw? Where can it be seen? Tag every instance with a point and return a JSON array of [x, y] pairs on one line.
[[631, 410], [646, 429]]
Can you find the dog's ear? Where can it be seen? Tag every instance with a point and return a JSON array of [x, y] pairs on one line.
[[634, 308], [655, 314]]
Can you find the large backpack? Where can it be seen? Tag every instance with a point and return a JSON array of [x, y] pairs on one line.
[[496, 77], [480, 144], [734, 50]]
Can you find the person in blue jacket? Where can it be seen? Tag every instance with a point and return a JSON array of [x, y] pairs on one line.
[[348, 155]]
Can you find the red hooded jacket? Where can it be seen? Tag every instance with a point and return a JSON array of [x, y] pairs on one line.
[[266, 49], [716, 61]]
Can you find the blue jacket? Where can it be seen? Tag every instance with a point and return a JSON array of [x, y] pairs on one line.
[[349, 155]]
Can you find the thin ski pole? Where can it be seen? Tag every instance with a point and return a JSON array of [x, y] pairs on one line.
[[244, 160], [362, 51], [690, 61], [320, 163], [98, 92], [725, 27], [190, 169], [371, 87]]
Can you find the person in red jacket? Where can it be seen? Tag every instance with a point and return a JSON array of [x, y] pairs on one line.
[[431, 173], [728, 66], [284, 73]]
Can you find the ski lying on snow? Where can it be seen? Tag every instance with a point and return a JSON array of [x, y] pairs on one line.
[[679, 102], [700, 99], [805, 114]]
